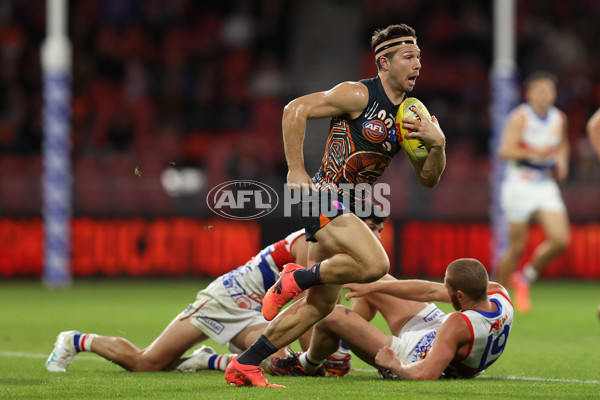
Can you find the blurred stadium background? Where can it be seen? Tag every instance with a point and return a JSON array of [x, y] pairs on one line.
[[190, 94]]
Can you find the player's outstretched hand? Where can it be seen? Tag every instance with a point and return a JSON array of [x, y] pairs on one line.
[[299, 180], [357, 289], [427, 130]]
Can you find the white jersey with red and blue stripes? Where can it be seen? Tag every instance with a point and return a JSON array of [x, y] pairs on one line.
[[539, 133], [247, 284], [489, 333]]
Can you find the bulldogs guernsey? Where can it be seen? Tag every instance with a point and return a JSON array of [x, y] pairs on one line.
[[359, 150], [489, 333], [538, 133], [247, 285]]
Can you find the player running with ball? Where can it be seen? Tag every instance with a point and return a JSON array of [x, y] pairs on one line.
[[359, 147]]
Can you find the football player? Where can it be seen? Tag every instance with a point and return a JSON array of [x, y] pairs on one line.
[[426, 343]]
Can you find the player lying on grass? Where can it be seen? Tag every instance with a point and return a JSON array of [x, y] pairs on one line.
[[426, 344], [227, 311]]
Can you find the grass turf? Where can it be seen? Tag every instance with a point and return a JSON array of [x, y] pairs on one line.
[[552, 353]]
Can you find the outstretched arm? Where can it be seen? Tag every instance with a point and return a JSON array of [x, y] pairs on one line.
[[348, 98], [413, 289]]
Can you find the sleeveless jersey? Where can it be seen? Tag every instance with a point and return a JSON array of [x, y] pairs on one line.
[[538, 133], [358, 150], [489, 333], [248, 284]]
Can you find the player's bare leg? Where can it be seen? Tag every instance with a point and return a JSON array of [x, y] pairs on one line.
[[556, 229], [362, 338], [162, 354], [350, 253], [247, 336], [517, 239], [396, 312], [346, 251], [358, 255], [346, 325]]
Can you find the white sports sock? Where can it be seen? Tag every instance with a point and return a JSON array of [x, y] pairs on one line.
[[529, 273], [342, 351], [308, 363]]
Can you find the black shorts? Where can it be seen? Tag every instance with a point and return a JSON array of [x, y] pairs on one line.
[[320, 208]]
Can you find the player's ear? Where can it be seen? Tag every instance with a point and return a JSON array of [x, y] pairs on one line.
[[384, 62]]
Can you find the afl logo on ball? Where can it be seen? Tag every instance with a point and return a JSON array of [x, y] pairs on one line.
[[242, 199], [375, 131]]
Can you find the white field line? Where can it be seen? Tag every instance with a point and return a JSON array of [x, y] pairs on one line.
[[515, 378], [511, 378], [44, 356]]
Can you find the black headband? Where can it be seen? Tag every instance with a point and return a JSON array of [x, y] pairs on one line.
[[399, 42]]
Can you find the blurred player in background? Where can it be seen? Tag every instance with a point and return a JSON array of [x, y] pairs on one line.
[[227, 311], [535, 145], [593, 131], [359, 148], [425, 344]]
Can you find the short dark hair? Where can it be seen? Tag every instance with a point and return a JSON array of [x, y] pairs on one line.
[[390, 32], [539, 75], [469, 276], [376, 213]]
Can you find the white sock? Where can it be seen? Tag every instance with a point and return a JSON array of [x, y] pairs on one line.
[[529, 273], [308, 363], [342, 351]]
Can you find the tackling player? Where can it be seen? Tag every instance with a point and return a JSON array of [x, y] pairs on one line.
[[426, 344], [227, 311]]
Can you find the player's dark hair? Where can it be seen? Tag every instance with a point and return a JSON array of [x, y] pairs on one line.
[[391, 32], [376, 213], [469, 276], [539, 75]]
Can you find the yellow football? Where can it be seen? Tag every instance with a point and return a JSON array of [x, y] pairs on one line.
[[415, 148]]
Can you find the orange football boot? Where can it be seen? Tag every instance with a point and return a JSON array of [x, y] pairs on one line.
[[247, 375], [284, 290], [521, 289]]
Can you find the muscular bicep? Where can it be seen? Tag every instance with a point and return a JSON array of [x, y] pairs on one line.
[[348, 98]]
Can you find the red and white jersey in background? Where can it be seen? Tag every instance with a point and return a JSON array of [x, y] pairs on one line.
[[489, 333], [248, 283], [539, 132]]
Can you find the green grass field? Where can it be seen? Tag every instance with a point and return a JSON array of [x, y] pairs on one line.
[[552, 353]]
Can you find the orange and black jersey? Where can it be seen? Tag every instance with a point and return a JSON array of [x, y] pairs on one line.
[[358, 150]]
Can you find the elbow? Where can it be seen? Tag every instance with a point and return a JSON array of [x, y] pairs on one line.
[[293, 110], [430, 180]]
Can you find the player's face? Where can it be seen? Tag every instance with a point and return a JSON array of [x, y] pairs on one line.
[[541, 93], [404, 67], [375, 228]]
